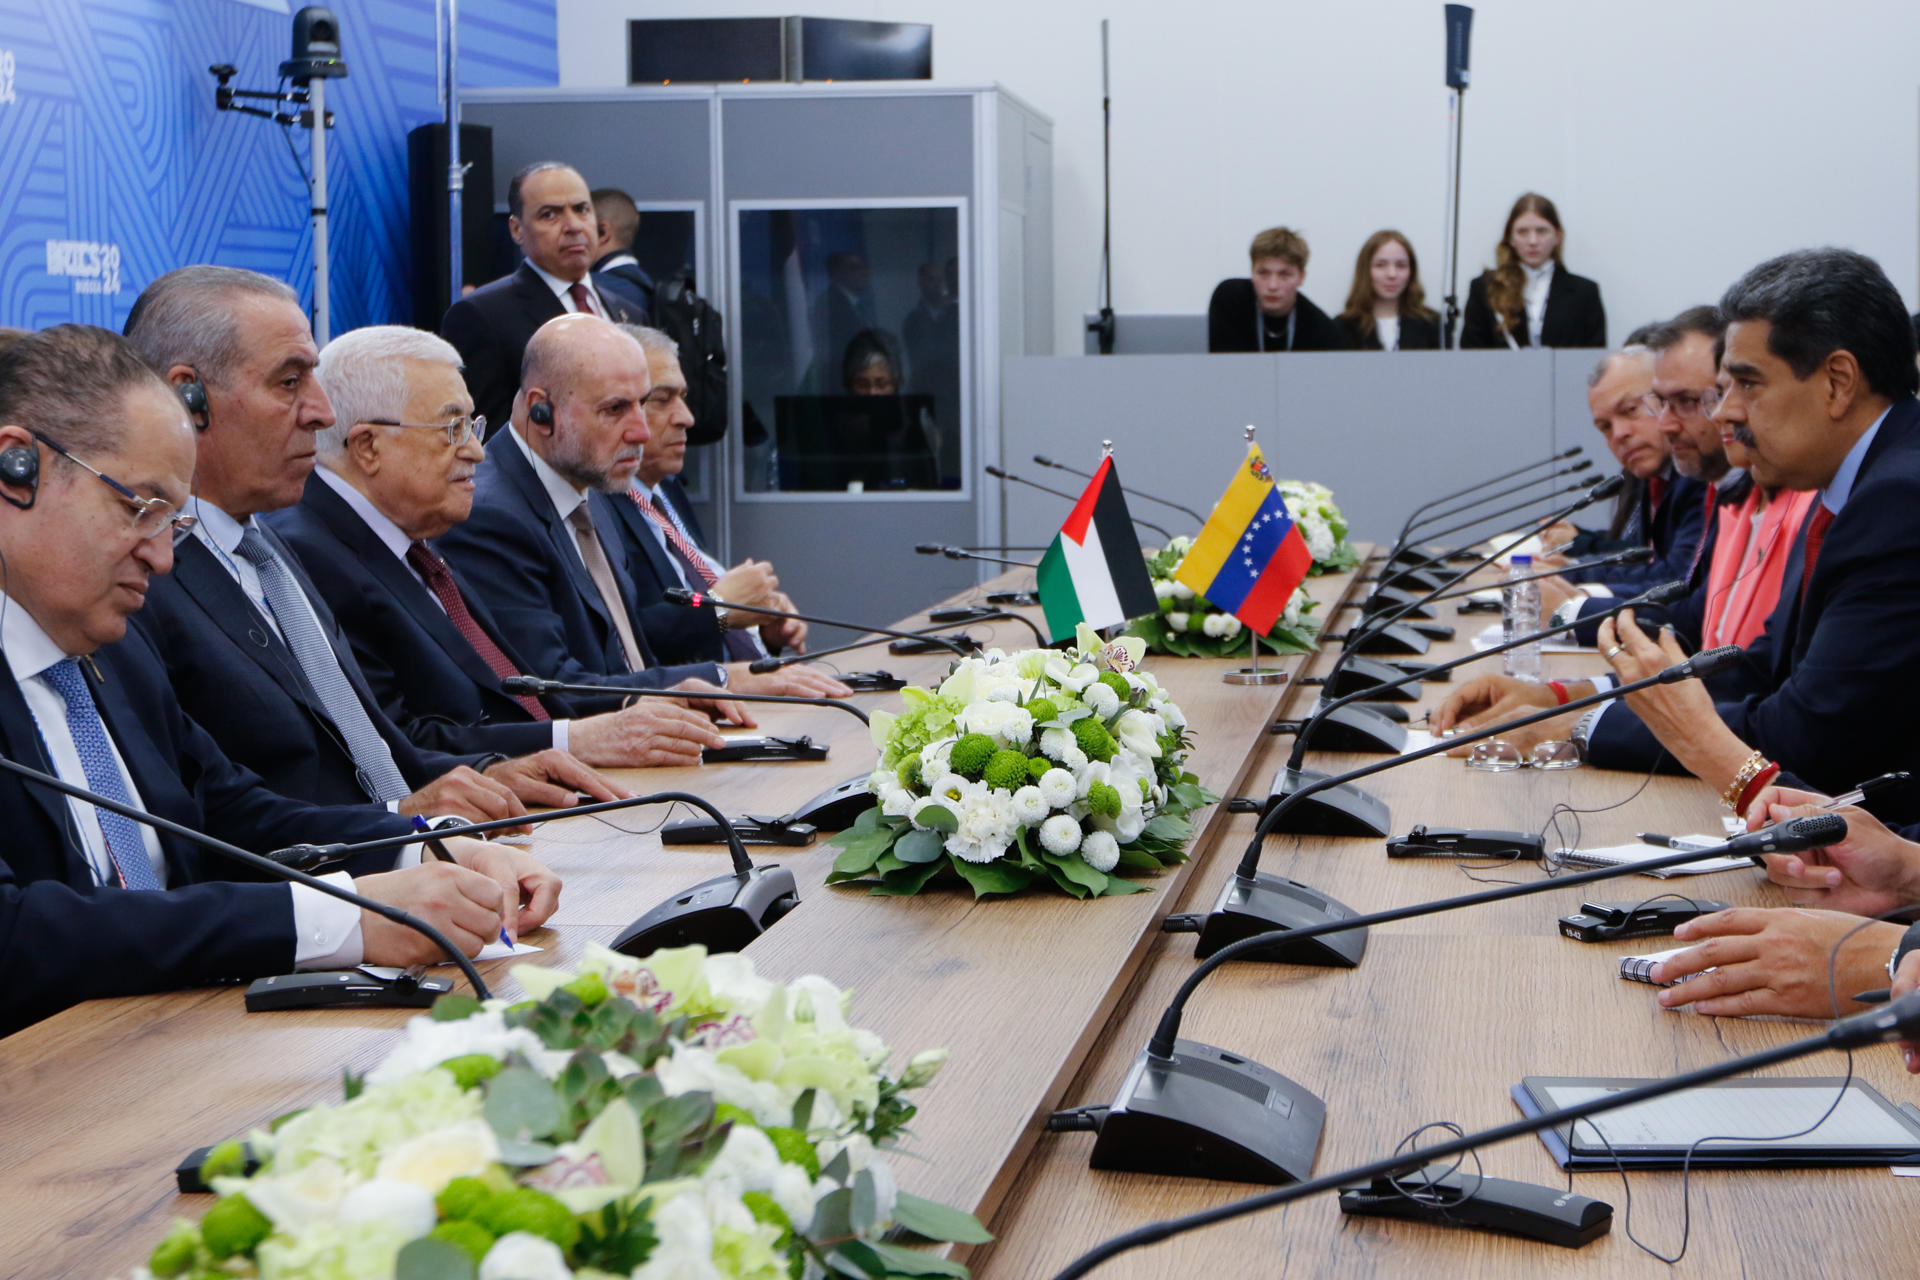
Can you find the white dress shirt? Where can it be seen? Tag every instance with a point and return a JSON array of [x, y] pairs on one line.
[[563, 289], [1388, 327], [326, 930], [394, 539], [1539, 283]]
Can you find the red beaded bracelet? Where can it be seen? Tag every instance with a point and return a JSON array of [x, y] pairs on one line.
[[1752, 790], [1559, 691]]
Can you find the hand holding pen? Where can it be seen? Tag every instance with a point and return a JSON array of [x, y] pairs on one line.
[[1872, 871]]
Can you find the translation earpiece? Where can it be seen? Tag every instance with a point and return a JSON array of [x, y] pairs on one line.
[[20, 465], [540, 413], [194, 396]]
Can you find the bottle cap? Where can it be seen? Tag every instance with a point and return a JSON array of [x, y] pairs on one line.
[[1520, 562]]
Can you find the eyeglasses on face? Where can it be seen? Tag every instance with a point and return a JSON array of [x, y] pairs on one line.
[[1685, 404], [150, 515], [458, 431]]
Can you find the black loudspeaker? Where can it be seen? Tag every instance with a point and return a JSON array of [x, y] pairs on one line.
[[1459, 44], [427, 187]]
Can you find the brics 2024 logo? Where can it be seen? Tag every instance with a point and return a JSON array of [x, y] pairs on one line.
[[94, 266], [6, 76]]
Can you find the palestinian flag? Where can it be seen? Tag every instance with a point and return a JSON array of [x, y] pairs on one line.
[[1094, 572]]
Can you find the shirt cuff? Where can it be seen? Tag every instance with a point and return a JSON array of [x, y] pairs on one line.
[[326, 930], [560, 734], [1598, 590]]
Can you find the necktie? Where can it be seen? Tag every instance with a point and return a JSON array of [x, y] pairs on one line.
[[439, 579], [594, 556], [1707, 524], [740, 646], [1816, 534], [124, 845], [583, 299], [372, 760]]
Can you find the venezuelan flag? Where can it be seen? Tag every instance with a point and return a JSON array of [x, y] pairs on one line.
[[1249, 557]]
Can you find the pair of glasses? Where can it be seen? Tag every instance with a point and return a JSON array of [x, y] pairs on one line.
[[1712, 399], [1685, 404], [150, 515], [458, 431], [1497, 755]]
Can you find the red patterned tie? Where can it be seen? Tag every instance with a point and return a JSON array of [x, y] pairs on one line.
[[439, 580], [583, 299], [676, 539], [1816, 534]]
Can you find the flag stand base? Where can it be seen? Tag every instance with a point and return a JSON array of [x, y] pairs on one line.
[[1255, 675]]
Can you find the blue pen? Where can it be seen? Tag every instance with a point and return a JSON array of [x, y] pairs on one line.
[[439, 851]]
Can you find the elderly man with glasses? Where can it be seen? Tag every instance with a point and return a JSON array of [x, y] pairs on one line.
[[396, 471]]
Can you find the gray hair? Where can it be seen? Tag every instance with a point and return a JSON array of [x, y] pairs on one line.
[[69, 383], [1640, 353], [652, 341], [186, 317], [1819, 301], [364, 374]]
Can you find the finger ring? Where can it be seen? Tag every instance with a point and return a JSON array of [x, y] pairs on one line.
[[1617, 649]]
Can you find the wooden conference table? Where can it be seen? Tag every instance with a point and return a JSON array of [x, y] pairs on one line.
[[1044, 1003]]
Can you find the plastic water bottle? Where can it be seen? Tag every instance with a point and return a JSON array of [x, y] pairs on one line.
[[1519, 616]]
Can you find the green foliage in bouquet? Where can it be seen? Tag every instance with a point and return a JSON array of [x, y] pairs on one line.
[[659, 1118], [1031, 768], [1321, 524]]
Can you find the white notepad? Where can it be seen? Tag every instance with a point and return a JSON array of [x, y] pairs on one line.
[[1619, 854]]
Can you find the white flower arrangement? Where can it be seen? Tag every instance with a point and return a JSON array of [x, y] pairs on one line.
[[1188, 626], [677, 1116], [1028, 767]]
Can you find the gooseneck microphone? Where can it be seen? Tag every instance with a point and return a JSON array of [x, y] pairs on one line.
[[721, 914], [1632, 555], [694, 599], [1414, 516], [1402, 549], [1253, 902], [964, 553], [1347, 810], [1439, 556], [270, 866], [1045, 461], [1001, 474], [1897, 1021], [1179, 1111], [516, 686]]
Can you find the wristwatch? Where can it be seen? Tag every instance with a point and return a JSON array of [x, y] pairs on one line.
[[721, 615], [1909, 941]]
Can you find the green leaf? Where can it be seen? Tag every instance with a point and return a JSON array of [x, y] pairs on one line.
[[919, 846], [1133, 858], [908, 880], [911, 1262], [431, 1259], [864, 1209], [936, 1221], [859, 850], [833, 1215], [352, 1084], [1119, 887], [454, 1006], [939, 817], [526, 1155], [992, 877], [522, 1105], [1068, 881], [803, 1110]]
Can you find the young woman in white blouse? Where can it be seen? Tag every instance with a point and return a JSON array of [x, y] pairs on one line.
[[1529, 299], [1387, 307]]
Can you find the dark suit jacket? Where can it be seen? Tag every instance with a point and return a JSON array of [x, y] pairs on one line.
[[1575, 316], [429, 680], [1675, 528], [1233, 322], [520, 557], [675, 632], [1417, 333], [234, 675], [1828, 689], [63, 939], [630, 283], [490, 328]]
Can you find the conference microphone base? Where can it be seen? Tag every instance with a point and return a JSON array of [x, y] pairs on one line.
[[835, 808], [1396, 637], [1383, 680], [1208, 1113], [1344, 810], [1355, 727], [1418, 581], [1392, 600], [1265, 903], [721, 914]]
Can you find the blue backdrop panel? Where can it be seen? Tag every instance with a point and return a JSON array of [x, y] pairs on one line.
[[115, 168]]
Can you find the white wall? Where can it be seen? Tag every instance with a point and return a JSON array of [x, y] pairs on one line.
[[1683, 140]]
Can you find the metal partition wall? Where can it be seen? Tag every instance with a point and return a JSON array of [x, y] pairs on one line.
[[911, 177]]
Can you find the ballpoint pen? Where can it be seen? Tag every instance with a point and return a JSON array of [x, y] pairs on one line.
[[439, 850]]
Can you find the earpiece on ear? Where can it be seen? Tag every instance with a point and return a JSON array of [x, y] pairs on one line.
[[194, 396], [540, 413], [20, 465]]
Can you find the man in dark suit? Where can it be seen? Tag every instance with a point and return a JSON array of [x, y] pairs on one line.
[[542, 547], [1822, 396], [667, 549], [93, 904], [1267, 312], [551, 219], [396, 472], [254, 653], [616, 223]]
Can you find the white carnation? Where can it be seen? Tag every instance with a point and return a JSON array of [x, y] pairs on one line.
[[1101, 851], [1058, 788], [898, 803], [1005, 723], [521, 1255], [1295, 606], [1230, 626], [1212, 624], [1103, 700], [1162, 589], [987, 827], [1181, 591], [1320, 541], [1029, 805], [403, 1205], [1060, 835], [1177, 621], [1055, 743]]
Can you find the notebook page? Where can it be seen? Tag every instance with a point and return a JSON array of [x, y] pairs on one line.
[[1682, 1118]]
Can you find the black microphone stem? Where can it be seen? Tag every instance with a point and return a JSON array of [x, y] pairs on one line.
[[562, 686], [1699, 666], [1655, 595], [1505, 475], [694, 599], [1482, 519], [1001, 474], [1045, 461], [742, 864], [1509, 491], [1900, 1019], [1632, 555], [961, 553], [268, 865]]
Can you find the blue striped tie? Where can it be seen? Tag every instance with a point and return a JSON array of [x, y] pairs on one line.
[[124, 845]]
